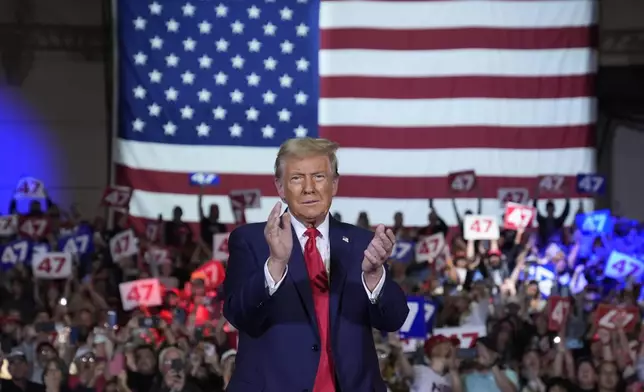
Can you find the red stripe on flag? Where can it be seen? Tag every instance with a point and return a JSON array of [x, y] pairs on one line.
[[460, 137], [457, 87], [458, 38], [350, 186]]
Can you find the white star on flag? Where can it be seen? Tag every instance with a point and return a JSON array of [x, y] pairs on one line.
[[238, 62], [204, 95], [236, 96], [187, 112], [221, 78], [237, 27], [300, 131], [302, 64], [284, 115], [172, 60], [138, 125], [270, 29], [253, 79], [219, 113], [254, 45], [205, 27], [268, 132], [253, 12], [140, 23], [169, 129], [235, 130], [189, 45], [154, 110], [286, 81], [140, 58], [205, 61], [287, 47], [155, 76], [302, 30], [171, 94], [221, 11], [269, 97], [222, 45], [203, 130], [301, 98], [187, 77], [156, 42], [286, 13], [172, 26], [155, 8], [270, 64], [252, 114], [188, 9], [139, 92]]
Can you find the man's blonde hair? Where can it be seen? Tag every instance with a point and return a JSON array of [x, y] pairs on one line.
[[306, 147]]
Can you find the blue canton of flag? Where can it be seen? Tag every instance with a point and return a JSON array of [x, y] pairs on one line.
[[218, 72]]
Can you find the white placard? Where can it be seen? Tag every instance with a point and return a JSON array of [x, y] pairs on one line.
[[158, 256], [117, 196], [513, 195], [466, 334], [427, 248], [123, 245], [52, 265], [30, 187], [480, 227], [620, 266], [8, 225], [220, 246], [140, 293]]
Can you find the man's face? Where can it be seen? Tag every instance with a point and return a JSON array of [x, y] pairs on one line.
[[18, 368], [177, 214], [145, 362], [308, 186]]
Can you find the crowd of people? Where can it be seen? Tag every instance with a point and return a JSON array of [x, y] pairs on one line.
[[491, 320]]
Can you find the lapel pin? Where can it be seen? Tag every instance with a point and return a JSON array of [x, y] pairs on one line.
[[345, 239]]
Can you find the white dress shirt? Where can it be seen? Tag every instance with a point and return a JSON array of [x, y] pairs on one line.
[[324, 247]]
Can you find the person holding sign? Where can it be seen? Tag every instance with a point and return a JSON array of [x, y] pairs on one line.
[[305, 291]]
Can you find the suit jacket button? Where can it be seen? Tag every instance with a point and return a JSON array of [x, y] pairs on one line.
[[315, 348]]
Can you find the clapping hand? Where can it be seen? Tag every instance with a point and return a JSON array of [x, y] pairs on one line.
[[378, 251], [279, 238]]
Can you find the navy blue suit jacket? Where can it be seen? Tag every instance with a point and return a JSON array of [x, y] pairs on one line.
[[279, 344]]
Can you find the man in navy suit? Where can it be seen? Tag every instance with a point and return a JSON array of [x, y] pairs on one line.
[[305, 290]]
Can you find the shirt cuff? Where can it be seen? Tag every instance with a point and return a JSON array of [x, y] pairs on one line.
[[373, 295], [270, 282]]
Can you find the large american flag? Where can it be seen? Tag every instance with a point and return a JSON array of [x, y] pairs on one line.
[[411, 90]]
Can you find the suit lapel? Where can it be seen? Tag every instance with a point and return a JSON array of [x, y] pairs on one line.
[[340, 256], [299, 275]]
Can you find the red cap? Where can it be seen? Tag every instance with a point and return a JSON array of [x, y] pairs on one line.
[[494, 252]]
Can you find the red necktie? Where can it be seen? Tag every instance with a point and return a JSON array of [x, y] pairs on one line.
[[320, 287]]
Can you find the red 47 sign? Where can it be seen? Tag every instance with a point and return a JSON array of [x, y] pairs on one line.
[[33, 227], [610, 317], [517, 216], [429, 247], [52, 265], [463, 181], [466, 334], [117, 196], [242, 199], [551, 185], [220, 246], [558, 311], [513, 195], [480, 227], [215, 273], [140, 293]]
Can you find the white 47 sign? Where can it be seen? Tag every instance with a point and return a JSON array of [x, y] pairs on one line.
[[220, 246], [52, 265], [480, 227], [117, 196], [123, 245]]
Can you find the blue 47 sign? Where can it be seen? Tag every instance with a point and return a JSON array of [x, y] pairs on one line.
[[591, 184], [419, 321]]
